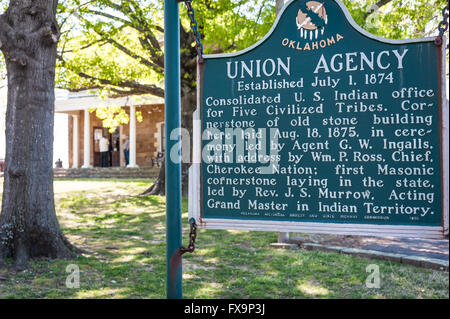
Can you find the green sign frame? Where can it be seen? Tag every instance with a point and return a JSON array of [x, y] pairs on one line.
[[395, 184]]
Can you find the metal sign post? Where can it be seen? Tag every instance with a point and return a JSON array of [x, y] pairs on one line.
[[173, 168]]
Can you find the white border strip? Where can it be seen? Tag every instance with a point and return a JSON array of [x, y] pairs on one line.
[[445, 139], [325, 228]]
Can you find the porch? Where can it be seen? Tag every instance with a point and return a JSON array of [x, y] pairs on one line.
[[145, 133], [109, 172]]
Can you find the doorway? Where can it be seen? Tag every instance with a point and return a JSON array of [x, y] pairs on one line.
[[114, 146]]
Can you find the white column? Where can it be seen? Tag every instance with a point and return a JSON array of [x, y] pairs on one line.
[[132, 137], [87, 140], [75, 142], [122, 156]]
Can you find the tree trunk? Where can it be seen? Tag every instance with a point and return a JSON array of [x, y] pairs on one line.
[[188, 57], [159, 186], [28, 224]]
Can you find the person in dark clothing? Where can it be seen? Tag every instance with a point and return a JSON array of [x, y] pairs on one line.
[[126, 150]]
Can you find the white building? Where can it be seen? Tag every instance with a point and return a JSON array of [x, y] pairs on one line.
[[73, 117]]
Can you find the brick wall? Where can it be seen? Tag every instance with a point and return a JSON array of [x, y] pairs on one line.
[[147, 131]]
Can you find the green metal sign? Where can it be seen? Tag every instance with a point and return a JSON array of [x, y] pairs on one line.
[[322, 127]]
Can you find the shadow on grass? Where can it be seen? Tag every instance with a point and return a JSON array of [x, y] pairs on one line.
[[124, 240]]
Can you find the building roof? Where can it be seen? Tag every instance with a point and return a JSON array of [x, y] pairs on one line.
[[66, 101]]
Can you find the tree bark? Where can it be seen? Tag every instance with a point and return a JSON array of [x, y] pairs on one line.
[[159, 186], [28, 224]]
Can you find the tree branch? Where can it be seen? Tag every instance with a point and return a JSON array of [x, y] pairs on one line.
[[128, 52], [122, 93], [144, 88], [152, 45], [109, 16], [137, 17], [377, 6]]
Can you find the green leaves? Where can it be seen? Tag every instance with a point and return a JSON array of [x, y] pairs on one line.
[[123, 40], [103, 40], [231, 25], [117, 47], [114, 116], [397, 19]]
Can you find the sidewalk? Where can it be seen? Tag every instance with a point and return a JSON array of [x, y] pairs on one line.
[[427, 253]]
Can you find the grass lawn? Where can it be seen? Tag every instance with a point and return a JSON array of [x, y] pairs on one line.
[[124, 239]]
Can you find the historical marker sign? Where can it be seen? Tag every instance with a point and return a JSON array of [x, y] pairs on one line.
[[322, 127]]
